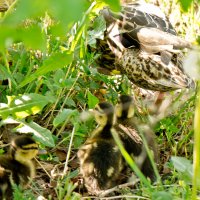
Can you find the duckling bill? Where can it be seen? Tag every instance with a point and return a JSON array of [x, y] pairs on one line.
[[100, 159], [17, 166]]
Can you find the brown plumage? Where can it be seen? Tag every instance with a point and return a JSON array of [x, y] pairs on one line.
[[5, 4], [141, 43], [17, 166], [131, 136], [100, 158]]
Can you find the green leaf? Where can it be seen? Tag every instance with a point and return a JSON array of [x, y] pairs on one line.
[[1, 151], [28, 37], [92, 100], [161, 195], [70, 102], [40, 134], [78, 141], [98, 28], [5, 74], [59, 76], [113, 4], [26, 9], [182, 164], [54, 62], [65, 115], [9, 35], [68, 12], [185, 4], [24, 105], [69, 82]]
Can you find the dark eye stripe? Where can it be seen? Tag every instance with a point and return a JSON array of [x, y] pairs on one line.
[[27, 148]]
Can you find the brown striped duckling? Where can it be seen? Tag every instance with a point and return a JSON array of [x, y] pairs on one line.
[[17, 165], [131, 136], [100, 158]]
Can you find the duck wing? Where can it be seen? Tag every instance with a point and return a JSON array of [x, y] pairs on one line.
[[138, 25]]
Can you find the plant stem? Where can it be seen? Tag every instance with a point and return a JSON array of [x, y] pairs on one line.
[[196, 151], [130, 161], [69, 150]]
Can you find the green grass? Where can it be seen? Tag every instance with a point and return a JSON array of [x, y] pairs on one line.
[[55, 79]]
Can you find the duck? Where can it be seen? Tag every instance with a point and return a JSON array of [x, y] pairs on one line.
[[129, 129], [140, 42], [16, 167], [5, 4], [99, 157]]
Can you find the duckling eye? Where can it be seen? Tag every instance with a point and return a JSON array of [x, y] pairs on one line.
[[101, 116]]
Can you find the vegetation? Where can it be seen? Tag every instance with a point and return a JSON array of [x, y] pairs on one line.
[[48, 80]]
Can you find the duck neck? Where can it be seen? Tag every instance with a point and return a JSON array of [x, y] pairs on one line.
[[124, 115], [26, 162], [106, 131]]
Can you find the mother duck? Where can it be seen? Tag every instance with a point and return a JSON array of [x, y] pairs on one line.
[[141, 43]]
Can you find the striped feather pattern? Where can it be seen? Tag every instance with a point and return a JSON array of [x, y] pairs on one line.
[[141, 43]]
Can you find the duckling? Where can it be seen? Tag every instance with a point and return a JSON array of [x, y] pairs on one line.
[[141, 43], [131, 136], [100, 158], [17, 166]]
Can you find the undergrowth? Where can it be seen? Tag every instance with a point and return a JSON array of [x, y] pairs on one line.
[[48, 81]]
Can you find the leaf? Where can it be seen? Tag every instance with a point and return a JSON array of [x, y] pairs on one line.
[[65, 115], [92, 100], [26, 9], [24, 105], [59, 76], [68, 12], [68, 83], [9, 120], [70, 102], [161, 195], [28, 37], [97, 32], [40, 134], [182, 164], [113, 4], [5, 74], [9, 35], [185, 4], [54, 62]]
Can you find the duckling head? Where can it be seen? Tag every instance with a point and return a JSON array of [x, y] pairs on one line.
[[104, 114], [125, 107], [23, 148]]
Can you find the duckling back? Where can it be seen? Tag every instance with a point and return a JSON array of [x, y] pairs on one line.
[[100, 158], [100, 164], [5, 186], [17, 166]]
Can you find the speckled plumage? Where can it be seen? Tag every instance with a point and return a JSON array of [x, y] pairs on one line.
[[141, 43], [150, 72]]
